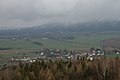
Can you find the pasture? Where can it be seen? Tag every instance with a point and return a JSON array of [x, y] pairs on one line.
[[81, 42]]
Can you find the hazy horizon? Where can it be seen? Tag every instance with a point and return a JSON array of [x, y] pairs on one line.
[[25, 13]]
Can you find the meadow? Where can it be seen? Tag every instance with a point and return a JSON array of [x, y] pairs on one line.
[[81, 41]]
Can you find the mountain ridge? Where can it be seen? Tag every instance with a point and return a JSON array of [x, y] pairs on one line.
[[61, 27]]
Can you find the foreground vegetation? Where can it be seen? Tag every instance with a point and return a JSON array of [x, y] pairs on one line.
[[102, 69]]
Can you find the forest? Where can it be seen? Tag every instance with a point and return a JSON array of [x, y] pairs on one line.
[[102, 69]]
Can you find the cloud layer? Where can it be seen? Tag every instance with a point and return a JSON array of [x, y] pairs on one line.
[[16, 13]]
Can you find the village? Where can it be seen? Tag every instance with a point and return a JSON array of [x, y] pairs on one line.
[[53, 54]]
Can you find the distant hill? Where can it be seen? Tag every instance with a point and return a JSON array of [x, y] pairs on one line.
[[61, 27]]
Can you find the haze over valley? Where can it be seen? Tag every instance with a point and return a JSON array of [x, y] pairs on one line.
[[59, 40]]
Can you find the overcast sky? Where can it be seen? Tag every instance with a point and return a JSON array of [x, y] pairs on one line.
[[16, 13]]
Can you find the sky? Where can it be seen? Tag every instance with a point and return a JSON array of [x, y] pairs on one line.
[[27, 13]]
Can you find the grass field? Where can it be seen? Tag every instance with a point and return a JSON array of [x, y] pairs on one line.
[[94, 39], [81, 41], [18, 44]]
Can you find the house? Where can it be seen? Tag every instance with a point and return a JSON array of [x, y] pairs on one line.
[[45, 38], [14, 38], [117, 52]]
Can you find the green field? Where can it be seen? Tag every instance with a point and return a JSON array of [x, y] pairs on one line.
[[93, 40], [80, 42]]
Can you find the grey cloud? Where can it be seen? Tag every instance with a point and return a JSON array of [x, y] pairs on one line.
[[34, 12]]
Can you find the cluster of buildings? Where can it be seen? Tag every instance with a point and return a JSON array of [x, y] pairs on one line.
[[53, 54]]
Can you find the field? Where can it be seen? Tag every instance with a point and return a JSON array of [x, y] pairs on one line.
[[111, 44], [81, 41]]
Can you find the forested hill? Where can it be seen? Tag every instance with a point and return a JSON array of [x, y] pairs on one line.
[[61, 27]]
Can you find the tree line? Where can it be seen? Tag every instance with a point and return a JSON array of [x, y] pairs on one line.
[[103, 69]]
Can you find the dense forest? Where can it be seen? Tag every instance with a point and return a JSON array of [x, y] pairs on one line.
[[102, 69]]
